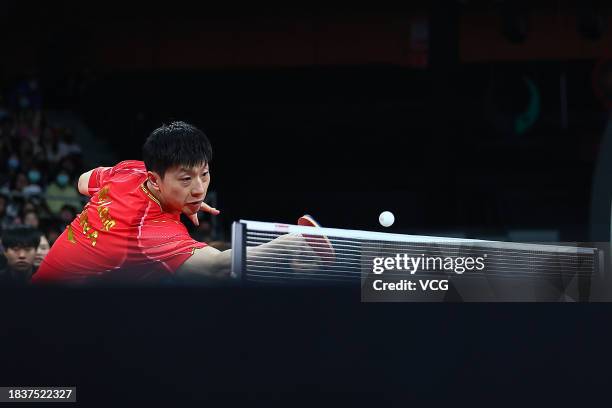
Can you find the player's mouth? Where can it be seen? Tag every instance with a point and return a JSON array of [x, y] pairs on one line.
[[195, 204]]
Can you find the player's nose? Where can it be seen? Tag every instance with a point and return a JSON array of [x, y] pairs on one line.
[[198, 189]]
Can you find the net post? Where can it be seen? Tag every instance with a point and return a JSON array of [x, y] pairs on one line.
[[600, 257], [238, 250]]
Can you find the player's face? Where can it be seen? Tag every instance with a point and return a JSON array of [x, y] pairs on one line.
[[20, 259], [183, 189]]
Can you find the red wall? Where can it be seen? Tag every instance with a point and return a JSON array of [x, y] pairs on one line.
[[550, 37], [157, 42]]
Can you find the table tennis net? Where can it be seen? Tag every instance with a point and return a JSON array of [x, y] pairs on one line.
[[270, 253]]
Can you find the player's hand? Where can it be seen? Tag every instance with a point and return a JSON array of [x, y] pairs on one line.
[[204, 207], [304, 258]]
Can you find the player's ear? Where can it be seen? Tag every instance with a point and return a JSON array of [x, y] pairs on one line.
[[154, 179]]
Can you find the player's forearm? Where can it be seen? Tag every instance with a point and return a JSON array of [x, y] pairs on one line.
[[209, 263], [281, 246], [221, 263], [206, 263]]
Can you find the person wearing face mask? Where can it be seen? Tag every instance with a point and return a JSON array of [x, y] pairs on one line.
[[62, 192], [34, 176], [33, 189]]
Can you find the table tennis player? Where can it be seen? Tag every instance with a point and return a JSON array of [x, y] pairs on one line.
[[130, 230]]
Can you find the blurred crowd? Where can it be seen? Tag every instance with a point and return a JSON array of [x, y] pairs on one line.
[[39, 167]]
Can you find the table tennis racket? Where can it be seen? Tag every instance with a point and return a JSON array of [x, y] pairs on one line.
[[320, 244]]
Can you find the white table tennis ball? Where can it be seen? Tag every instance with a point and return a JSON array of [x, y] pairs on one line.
[[386, 218]]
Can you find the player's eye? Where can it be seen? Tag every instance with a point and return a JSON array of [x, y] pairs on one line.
[[186, 179], [205, 174]]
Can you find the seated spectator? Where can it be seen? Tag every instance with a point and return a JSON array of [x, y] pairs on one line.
[[33, 188], [38, 205], [62, 192], [19, 184], [30, 219], [26, 150], [28, 206], [13, 163], [70, 164], [26, 95], [6, 218], [20, 245], [31, 150], [41, 251], [50, 142], [67, 214], [67, 146], [53, 230]]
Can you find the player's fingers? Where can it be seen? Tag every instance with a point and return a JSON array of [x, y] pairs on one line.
[[209, 209], [194, 219]]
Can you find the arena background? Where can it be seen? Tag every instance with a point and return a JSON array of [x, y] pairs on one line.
[[344, 113], [425, 110]]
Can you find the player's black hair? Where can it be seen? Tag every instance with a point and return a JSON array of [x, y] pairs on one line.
[[175, 144], [20, 237]]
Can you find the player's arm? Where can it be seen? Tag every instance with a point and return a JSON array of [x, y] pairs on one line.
[[83, 185], [209, 262]]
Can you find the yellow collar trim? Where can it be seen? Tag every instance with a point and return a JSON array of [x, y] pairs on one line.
[[145, 190]]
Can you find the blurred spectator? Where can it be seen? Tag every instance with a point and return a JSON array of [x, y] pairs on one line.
[[20, 245], [53, 231], [13, 162], [26, 95], [6, 219], [30, 219], [62, 192], [71, 165], [28, 206], [67, 146], [26, 146], [41, 251], [39, 206], [33, 188], [31, 149], [19, 184], [50, 144], [67, 214]]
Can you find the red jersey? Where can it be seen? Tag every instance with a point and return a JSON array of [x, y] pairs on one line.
[[122, 235]]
